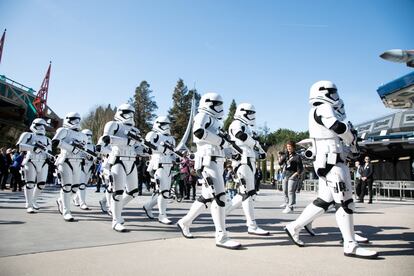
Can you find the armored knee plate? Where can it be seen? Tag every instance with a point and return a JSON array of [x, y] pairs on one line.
[[347, 205], [30, 185], [67, 188], [41, 185], [248, 194], [322, 203], [133, 193], [220, 202], [117, 195], [204, 200], [165, 194], [75, 188]]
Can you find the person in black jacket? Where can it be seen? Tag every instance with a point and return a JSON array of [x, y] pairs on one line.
[[366, 179], [292, 168]]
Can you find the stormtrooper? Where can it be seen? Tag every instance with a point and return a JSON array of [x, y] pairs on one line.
[[160, 166], [105, 175], [124, 140], [331, 137], [35, 164], [79, 199], [71, 142], [339, 110], [241, 132], [209, 162]]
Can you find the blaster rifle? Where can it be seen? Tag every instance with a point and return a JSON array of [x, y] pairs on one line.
[[77, 144], [226, 138], [143, 142], [171, 148], [45, 150]]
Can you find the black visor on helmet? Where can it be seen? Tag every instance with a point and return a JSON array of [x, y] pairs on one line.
[[74, 118], [162, 124], [215, 104], [331, 94], [38, 125], [248, 112]]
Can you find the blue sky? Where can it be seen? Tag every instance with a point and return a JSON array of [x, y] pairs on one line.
[[267, 53]]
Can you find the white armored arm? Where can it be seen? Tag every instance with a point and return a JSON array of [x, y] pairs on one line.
[[109, 135], [58, 141], [24, 140], [202, 132]]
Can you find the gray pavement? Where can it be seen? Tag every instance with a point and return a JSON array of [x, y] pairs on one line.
[[44, 244]]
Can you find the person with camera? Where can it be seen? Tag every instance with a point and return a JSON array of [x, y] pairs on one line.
[[292, 169]]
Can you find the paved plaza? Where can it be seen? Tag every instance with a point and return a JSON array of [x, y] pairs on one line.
[[44, 244]]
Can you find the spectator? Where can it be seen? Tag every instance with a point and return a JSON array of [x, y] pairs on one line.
[[230, 182], [3, 167], [258, 176], [185, 167], [5, 170], [367, 180], [16, 181], [357, 179], [292, 165]]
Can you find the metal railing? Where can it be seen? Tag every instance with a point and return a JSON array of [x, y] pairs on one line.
[[382, 188]]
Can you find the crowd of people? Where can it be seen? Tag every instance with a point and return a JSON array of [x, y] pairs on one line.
[[224, 164]]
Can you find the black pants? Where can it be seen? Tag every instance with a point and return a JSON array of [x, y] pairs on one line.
[[358, 187], [3, 179], [366, 183], [16, 181], [191, 184]]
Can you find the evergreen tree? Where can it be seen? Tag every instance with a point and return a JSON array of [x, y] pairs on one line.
[[145, 106], [229, 119], [179, 114]]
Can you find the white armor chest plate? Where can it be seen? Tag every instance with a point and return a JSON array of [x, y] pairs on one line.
[[317, 130], [328, 145], [212, 125], [32, 139], [124, 149], [71, 136], [161, 155], [234, 128]]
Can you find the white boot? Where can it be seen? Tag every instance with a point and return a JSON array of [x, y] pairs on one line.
[[118, 227], [59, 205], [30, 210], [103, 205], [185, 223], [222, 239], [28, 194], [75, 199], [68, 217], [82, 199], [117, 219], [36, 193], [65, 203], [345, 223], [235, 203], [310, 213], [252, 227], [149, 205], [360, 239], [162, 210]]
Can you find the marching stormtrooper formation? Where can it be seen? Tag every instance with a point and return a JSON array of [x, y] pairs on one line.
[[332, 141]]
